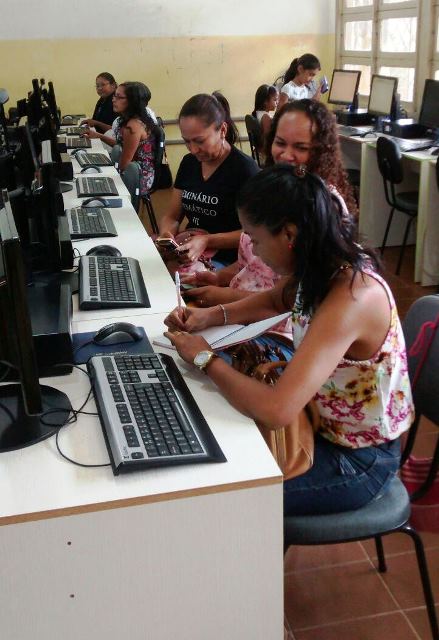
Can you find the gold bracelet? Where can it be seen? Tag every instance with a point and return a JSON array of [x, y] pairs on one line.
[[223, 309]]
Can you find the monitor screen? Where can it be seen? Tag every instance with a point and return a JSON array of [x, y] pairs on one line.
[[382, 95], [344, 86], [429, 114], [27, 156]]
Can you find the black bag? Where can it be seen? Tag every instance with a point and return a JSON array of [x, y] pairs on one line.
[[164, 179]]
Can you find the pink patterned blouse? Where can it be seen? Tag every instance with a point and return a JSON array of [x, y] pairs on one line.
[[364, 402]]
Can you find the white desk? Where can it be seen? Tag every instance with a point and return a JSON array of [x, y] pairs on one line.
[[190, 552], [419, 174]]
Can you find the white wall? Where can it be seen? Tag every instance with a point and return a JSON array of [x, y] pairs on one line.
[[32, 19]]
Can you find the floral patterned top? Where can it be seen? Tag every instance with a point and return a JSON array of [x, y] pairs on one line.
[[364, 402], [144, 156]]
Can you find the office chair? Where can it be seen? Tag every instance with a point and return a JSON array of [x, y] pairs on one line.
[[390, 166], [254, 136], [421, 332]]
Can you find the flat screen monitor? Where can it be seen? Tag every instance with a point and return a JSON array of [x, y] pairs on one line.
[[429, 114], [382, 95], [27, 156], [344, 86], [23, 404]]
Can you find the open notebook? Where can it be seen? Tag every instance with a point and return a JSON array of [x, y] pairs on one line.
[[226, 336]]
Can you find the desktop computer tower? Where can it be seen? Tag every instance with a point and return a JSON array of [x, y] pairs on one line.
[[358, 117], [405, 128]]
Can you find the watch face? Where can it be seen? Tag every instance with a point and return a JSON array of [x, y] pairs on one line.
[[202, 358]]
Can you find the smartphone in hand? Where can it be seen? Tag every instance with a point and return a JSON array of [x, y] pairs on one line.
[[168, 244], [324, 85]]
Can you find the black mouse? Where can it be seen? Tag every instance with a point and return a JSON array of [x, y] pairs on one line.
[[91, 168], [118, 333], [104, 250], [94, 202]]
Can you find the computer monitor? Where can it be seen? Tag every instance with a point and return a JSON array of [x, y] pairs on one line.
[[344, 86], [29, 412], [382, 95], [27, 156], [34, 106], [429, 113]]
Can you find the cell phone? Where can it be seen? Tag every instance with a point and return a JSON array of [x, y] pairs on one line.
[[166, 243], [187, 287], [324, 85]]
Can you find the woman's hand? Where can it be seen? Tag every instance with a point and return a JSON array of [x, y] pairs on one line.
[[206, 296], [200, 278], [89, 122], [88, 133], [192, 319], [187, 346], [195, 246]]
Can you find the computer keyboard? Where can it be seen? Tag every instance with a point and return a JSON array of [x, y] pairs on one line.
[[413, 145], [346, 130], [78, 143], [96, 186], [98, 159], [90, 222], [149, 417], [73, 131], [109, 282]]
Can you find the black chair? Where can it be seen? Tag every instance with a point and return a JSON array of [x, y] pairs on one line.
[[254, 133], [390, 166], [423, 367], [159, 155]]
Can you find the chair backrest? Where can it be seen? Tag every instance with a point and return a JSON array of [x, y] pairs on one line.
[[421, 329], [389, 160], [254, 136]]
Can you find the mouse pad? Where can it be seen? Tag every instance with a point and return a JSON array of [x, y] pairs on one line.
[[84, 349]]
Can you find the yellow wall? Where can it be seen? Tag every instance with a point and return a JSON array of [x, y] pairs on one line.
[[173, 68]]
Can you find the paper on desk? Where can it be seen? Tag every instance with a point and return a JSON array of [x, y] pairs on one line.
[[222, 337]]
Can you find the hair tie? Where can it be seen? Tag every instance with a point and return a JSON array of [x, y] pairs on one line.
[[300, 170]]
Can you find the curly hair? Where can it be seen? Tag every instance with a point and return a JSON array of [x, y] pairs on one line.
[[277, 196], [325, 156]]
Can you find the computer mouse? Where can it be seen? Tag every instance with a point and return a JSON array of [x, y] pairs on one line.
[[94, 202], [118, 333], [104, 250], [91, 169], [434, 151], [67, 118]]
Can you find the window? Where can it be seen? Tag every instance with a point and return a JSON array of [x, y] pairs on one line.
[[397, 38]]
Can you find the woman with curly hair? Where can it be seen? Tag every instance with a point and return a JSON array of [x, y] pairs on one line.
[[303, 133]]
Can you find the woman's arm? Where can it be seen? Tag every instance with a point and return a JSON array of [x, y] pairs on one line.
[[266, 123], [100, 136], [211, 295], [342, 325], [96, 123], [283, 99], [132, 133]]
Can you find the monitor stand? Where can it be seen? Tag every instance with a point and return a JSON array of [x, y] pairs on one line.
[[17, 429]]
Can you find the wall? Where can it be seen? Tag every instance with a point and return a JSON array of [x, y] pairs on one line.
[[177, 48]]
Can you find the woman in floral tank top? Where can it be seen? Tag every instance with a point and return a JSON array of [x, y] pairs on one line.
[[350, 355]]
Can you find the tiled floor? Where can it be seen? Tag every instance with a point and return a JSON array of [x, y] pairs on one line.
[[335, 592]]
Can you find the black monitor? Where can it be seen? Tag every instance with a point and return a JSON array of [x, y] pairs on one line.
[[344, 87], [27, 155], [34, 106], [29, 412], [429, 114], [382, 95]]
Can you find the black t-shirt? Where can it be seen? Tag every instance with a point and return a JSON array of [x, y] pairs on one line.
[[210, 204], [104, 111]]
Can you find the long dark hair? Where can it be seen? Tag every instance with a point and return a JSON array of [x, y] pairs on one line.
[[107, 76], [276, 197], [307, 61], [138, 95], [211, 109], [263, 93], [325, 155]]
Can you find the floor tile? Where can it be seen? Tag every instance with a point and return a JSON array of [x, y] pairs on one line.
[[339, 593], [420, 622], [376, 628], [402, 578], [397, 543], [301, 558]]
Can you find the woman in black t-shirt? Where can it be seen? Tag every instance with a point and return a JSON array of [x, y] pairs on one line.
[[103, 115], [208, 179]]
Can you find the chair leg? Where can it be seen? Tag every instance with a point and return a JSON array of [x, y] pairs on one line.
[[434, 468], [382, 567], [151, 214], [386, 233], [425, 578], [404, 242]]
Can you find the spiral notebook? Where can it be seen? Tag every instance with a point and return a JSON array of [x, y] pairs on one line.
[[226, 336]]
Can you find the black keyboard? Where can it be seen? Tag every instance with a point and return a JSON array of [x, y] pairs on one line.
[[73, 131], [98, 159], [96, 186], [346, 130], [90, 222], [107, 282], [78, 143], [149, 417]]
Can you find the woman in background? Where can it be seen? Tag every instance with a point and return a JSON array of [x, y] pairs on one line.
[[103, 114], [299, 80]]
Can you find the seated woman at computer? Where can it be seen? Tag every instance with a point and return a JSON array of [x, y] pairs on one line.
[[350, 355], [304, 133], [266, 99], [208, 180], [299, 80], [103, 114]]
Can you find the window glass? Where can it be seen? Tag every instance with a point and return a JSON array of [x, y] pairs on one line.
[[406, 80], [436, 74], [358, 35], [364, 85], [358, 3], [393, 1], [398, 34]]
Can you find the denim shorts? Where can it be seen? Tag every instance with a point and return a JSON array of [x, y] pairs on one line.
[[341, 479]]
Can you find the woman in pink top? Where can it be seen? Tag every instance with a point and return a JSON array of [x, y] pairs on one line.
[[350, 355]]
